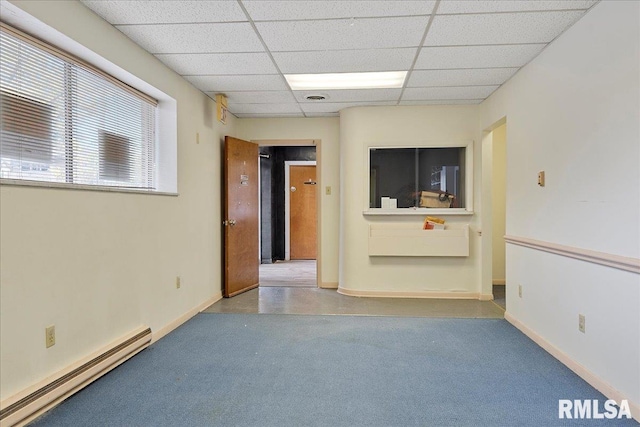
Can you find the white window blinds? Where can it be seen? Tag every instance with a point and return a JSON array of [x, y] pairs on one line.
[[62, 120]]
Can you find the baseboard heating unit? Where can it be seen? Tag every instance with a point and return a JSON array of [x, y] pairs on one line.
[[33, 402]]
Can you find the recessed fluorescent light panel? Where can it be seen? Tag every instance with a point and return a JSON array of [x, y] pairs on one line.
[[377, 80]]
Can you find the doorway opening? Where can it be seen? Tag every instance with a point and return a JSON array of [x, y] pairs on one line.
[[288, 216], [494, 189]]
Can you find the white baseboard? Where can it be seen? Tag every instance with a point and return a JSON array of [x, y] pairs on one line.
[[186, 316], [598, 383], [408, 294], [329, 285]]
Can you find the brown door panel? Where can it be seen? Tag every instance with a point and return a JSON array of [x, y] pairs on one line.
[[241, 216], [302, 205]]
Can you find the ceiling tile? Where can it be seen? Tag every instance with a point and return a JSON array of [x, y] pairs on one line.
[[434, 93], [345, 61], [261, 10], [475, 6], [262, 97], [343, 34], [467, 77], [350, 95], [219, 63], [220, 84], [444, 102], [477, 56], [264, 108], [266, 116], [499, 28], [333, 107], [169, 12], [194, 38]]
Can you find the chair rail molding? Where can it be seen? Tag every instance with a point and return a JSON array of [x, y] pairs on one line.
[[602, 258]]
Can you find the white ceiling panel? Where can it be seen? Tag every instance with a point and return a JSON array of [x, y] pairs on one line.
[[475, 6], [438, 58], [220, 84], [499, 28], [263, 97], [467, 77], [434, 93], [261, 10], [444, 102], [351, 95], [345, 61], [194, 38], [264, 108], [167, 12], [343, 34], [219, 63], [332, 107]]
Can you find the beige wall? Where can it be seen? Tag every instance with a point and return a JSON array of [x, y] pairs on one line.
[[98, 264], [327, 131], [573, 113], [401, 126], [498, 202]]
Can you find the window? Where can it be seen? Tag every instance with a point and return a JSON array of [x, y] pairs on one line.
[[418, 177], [64, 121]]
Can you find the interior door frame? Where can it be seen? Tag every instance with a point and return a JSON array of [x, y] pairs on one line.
[[307, 143], [287, 201]]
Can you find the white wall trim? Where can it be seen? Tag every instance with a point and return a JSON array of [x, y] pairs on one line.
[[287, 202], [602, 258], [595, 381], [329, 285], [413, 294], [160, 333]]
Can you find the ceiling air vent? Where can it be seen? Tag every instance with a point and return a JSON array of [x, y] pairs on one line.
[[315, 97]]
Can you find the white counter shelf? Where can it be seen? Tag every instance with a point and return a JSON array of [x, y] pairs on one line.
[[409, 240]]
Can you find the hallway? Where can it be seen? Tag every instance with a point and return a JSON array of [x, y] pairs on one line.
[[296, 273]]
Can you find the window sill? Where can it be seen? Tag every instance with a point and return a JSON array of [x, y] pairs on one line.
[[416, 211], [62, 186]]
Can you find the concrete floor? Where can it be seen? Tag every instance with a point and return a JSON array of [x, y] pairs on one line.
[[290, 300]]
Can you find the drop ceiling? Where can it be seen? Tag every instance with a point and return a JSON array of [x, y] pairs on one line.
[[456, 52]]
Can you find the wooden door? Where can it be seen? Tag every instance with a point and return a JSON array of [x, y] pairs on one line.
[[302, 208], [241, 262]]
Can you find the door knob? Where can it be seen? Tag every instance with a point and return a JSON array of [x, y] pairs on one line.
[[293, 189]]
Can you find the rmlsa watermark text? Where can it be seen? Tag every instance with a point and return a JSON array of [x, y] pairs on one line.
[[591, 409]]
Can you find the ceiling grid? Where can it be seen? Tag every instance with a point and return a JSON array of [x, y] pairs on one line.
[[454, 52]]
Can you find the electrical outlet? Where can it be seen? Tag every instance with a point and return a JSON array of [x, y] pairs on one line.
[[581, 323], [50, 336], [520, 291], [177, 282]]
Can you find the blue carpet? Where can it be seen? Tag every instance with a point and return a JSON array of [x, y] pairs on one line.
[[284, 370]]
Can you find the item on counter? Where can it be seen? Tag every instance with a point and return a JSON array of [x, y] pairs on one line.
[[436, 199], [433, 223]]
